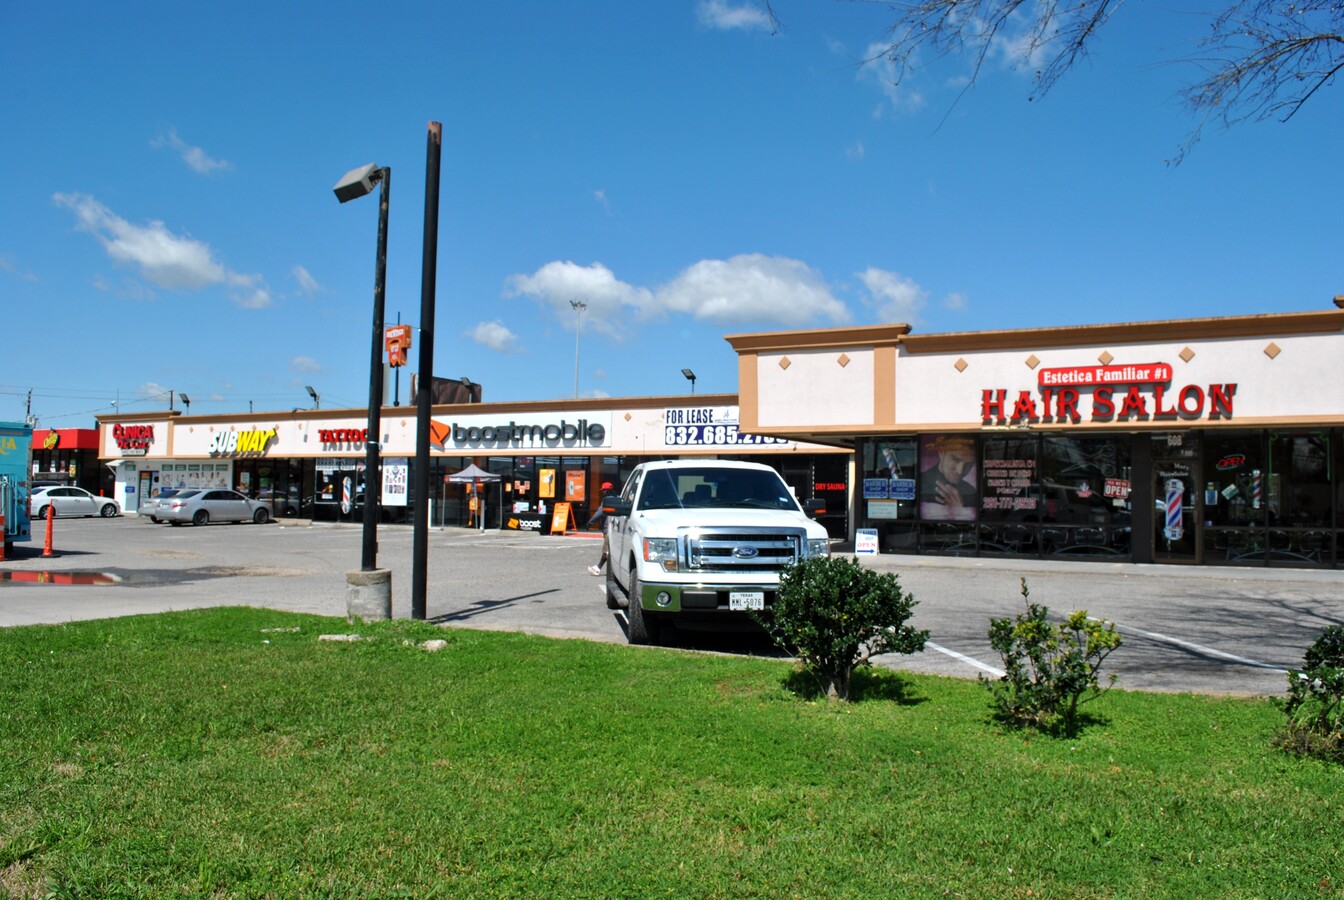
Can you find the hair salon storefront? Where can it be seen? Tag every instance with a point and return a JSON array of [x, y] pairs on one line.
[[311, 463], [1211, 441]]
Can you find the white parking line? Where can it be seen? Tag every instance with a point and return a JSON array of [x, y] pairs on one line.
[[997, 673], [1198, 648]]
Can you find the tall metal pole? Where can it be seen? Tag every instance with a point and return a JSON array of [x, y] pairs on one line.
[[578, 306], [428, 275], [373, 481]]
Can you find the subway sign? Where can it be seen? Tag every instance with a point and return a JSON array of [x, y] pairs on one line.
[[227, 442]]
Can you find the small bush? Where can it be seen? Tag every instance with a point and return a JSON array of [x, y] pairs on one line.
[[1049, 670], [836, 615], [1315, 702]]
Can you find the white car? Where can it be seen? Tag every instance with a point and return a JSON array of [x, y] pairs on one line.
[[69, 501]]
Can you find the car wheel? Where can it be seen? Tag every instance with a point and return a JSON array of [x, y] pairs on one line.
[[44, 513], [614, 595], [643, 626], [261, 517], [109, 510], [154, 519], [174, 524], [201, 518]]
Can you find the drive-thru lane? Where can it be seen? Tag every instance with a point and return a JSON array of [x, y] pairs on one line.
[[1213, 630]]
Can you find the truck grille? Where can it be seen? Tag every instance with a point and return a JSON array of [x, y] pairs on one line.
[[732, 550]]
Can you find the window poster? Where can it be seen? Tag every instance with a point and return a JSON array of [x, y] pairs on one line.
[[574, 486], [947, 478], [546, 477]]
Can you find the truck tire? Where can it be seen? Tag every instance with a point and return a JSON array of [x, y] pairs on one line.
[[643, 626], [614, 595]]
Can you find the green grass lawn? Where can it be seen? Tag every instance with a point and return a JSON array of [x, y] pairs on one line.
[[203, 754]]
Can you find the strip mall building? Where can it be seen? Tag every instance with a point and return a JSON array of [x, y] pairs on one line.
[[310, 463], [1200, 441]]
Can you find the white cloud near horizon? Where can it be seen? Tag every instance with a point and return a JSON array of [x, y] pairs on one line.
[[196, 158], [724, 16], [897, 298], [171, 261], [748, 288], [494, 335], [306, 365], [752, 287]]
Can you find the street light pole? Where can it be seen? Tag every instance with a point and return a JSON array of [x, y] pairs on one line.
[[578, 306], [428, 280], [357, 183]]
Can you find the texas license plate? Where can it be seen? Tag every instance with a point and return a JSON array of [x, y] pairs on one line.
[[746, 600]]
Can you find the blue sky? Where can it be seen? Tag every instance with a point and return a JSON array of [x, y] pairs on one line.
[[170, 224]]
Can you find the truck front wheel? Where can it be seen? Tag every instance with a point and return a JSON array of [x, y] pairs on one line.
[[643, 626]]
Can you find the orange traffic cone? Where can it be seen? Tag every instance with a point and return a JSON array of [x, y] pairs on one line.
[[46, 546]]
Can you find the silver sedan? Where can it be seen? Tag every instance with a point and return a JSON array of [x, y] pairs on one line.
[[201, 506]]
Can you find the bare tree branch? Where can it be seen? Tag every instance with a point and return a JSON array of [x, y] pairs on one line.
[[1261, 58]]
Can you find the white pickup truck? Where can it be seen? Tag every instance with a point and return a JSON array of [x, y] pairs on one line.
[[700, 542]]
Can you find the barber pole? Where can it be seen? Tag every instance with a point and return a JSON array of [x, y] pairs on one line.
[[1175, 527], [1257, 489]]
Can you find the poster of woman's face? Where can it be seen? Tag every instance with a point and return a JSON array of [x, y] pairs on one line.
[[947, 478]]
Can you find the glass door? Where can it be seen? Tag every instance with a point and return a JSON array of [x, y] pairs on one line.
[[1176, 514]]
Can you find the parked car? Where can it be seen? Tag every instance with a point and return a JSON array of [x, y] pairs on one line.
[[151, 508], [201, 506], [69, 501]]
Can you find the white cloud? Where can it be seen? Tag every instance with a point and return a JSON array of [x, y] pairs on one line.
[[307, 283], [170, 261], [494, 335], [152, 391], [724, 16], [600, 196], [877, 68], [610, 300], [898, 299], [752, 287], [955, 302], [855, 151], [195, 157], [305, 364], [249, 291]]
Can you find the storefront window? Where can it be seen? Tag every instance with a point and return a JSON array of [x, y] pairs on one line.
[[1010, 495], [886, 499], [1085, 488]]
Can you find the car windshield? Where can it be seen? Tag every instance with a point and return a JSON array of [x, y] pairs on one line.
[[187, 493], [710, 487]]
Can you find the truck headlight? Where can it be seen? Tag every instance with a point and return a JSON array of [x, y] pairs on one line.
[[662, 551], [818, 547]]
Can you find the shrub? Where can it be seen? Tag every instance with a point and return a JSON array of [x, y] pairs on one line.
[[836, 615], [1049, 670], [1315, 702]]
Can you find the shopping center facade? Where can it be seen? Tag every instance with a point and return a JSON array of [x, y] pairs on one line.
[[1200, 441], [310, 463]]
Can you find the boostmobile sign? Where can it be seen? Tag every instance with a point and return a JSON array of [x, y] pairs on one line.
[[1137, 392]]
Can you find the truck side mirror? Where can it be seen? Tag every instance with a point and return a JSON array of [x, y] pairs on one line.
[[615, 506], [814, 508]]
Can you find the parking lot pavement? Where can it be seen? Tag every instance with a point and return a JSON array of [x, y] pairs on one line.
[[1207, 630]]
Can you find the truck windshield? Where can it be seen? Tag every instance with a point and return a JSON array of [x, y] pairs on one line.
[[709, 487]]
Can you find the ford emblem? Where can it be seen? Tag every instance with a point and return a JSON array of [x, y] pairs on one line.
[[745, 552]]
